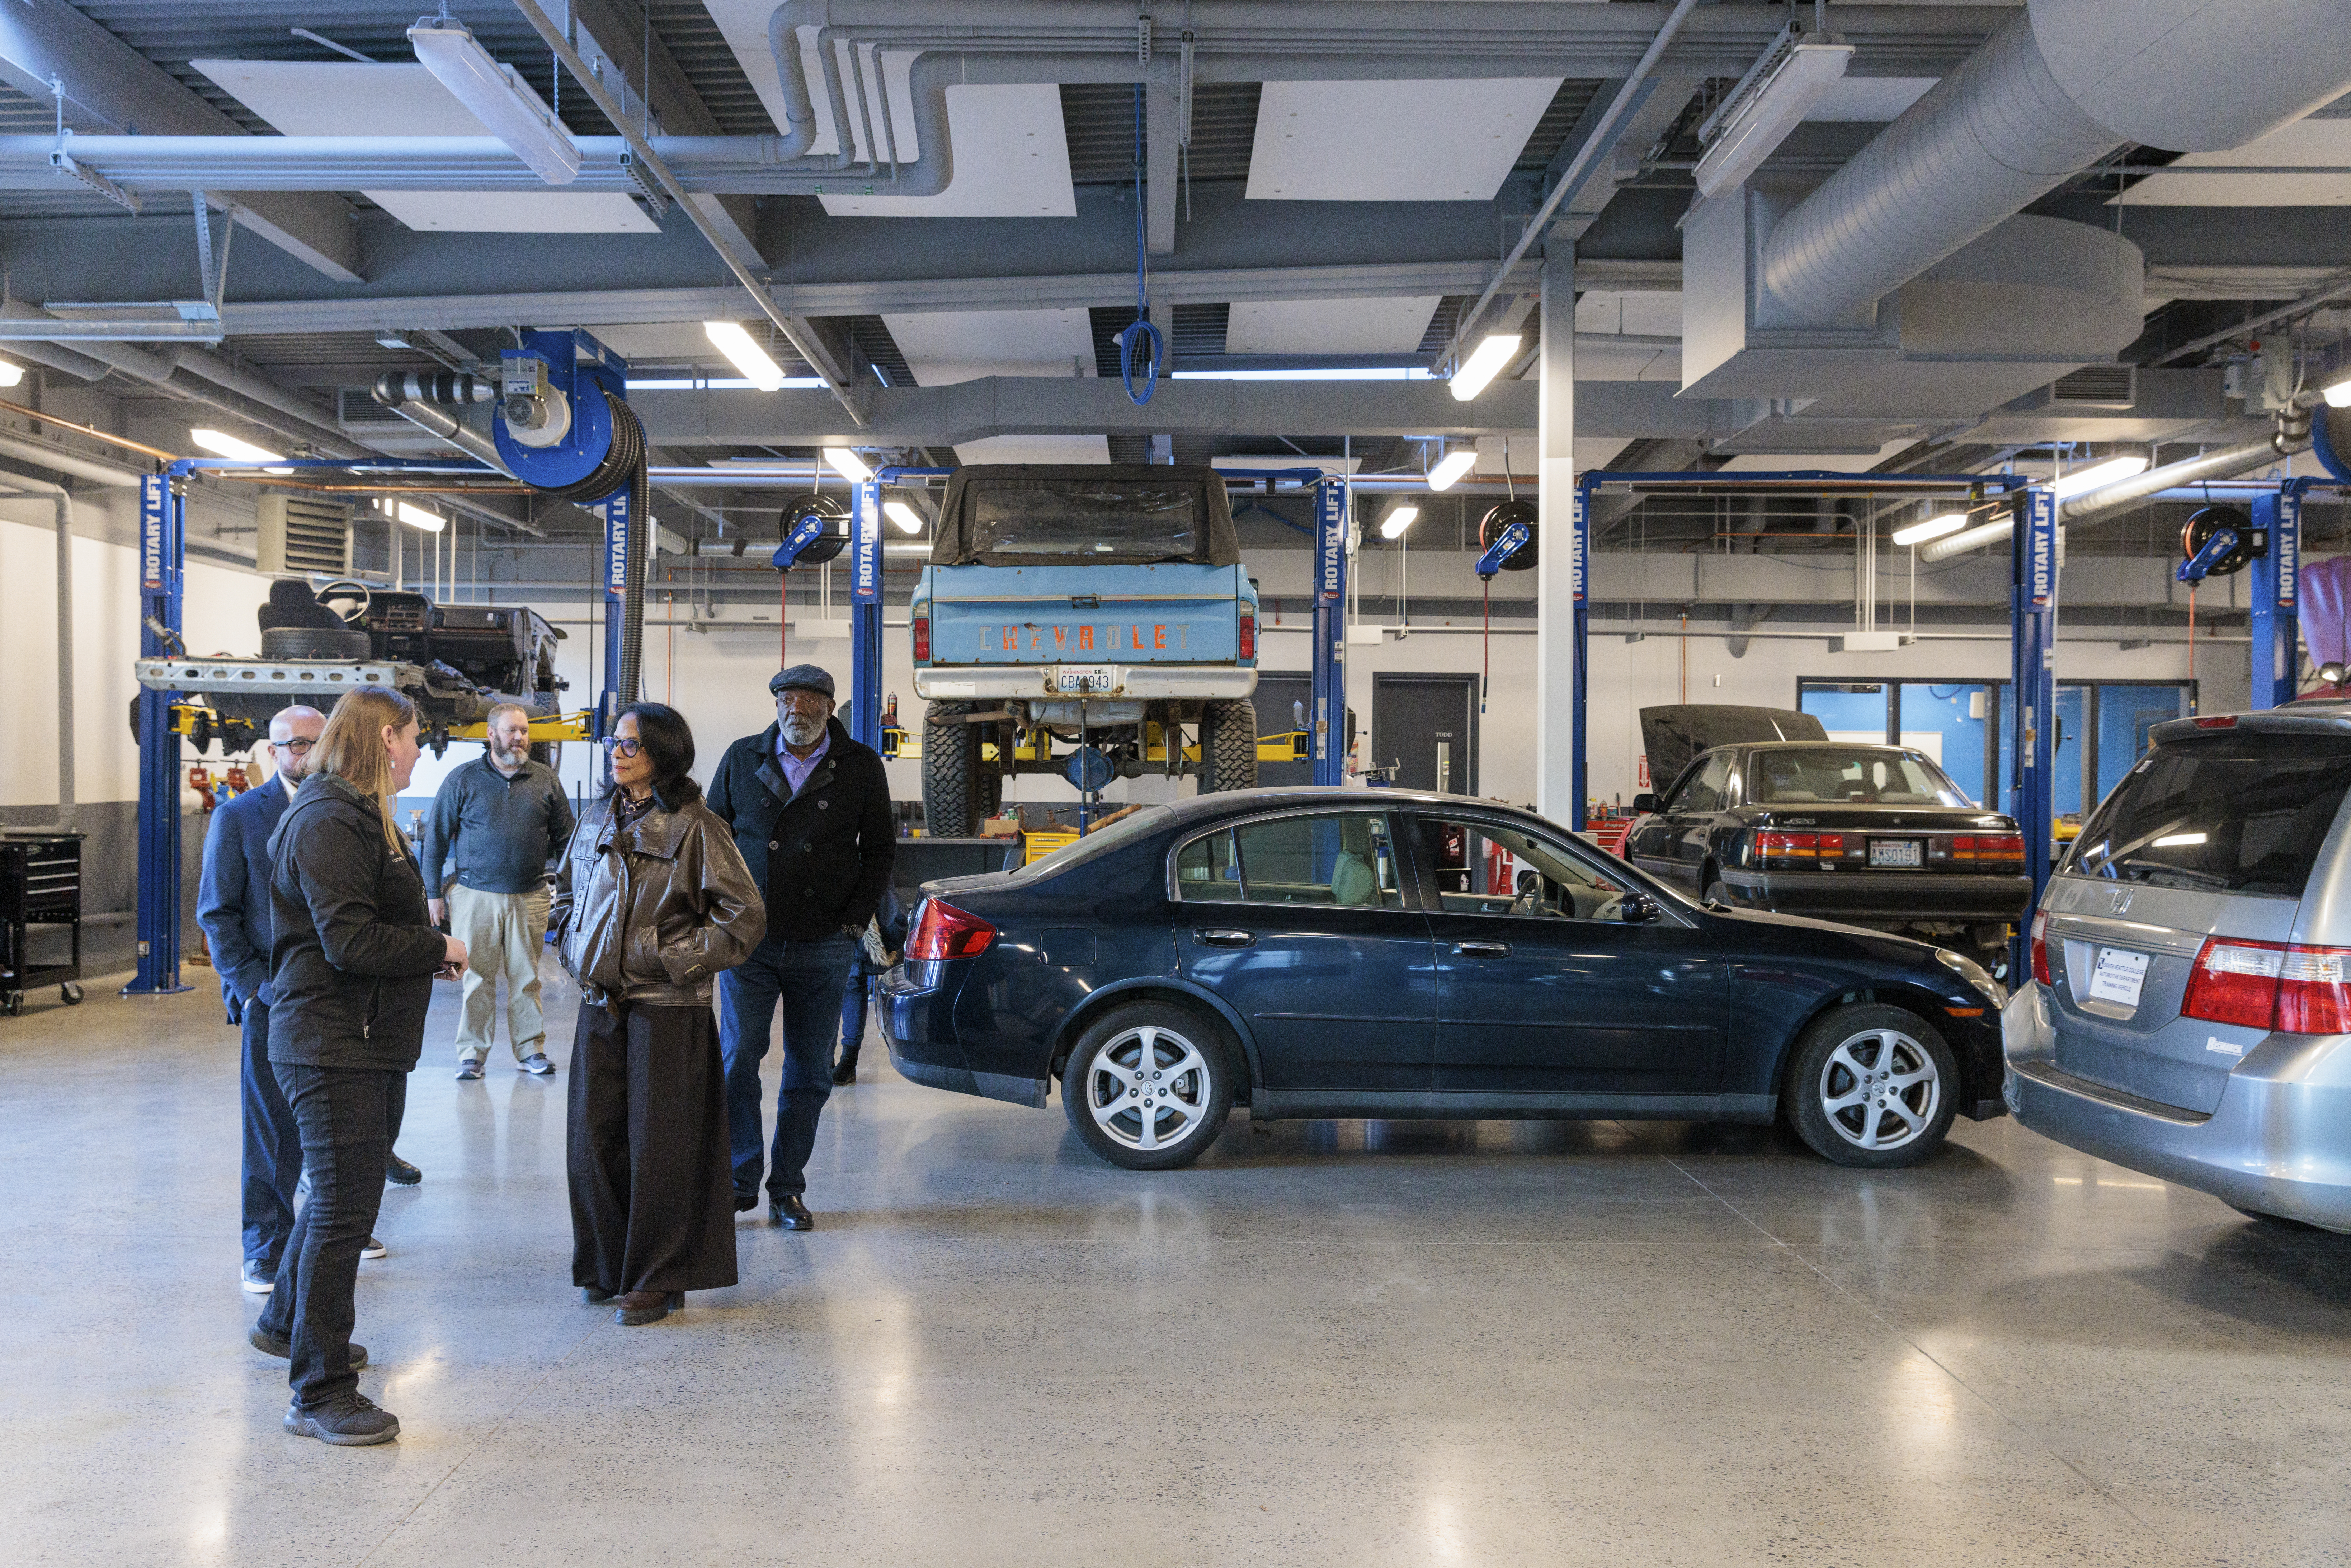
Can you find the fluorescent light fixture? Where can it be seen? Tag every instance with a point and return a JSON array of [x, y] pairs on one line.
[[744, 355], [1400, 516], [2337, 392], [1775, 94], [1379, 374], [1484, 363], [713, 383], [10, 373], [224, 445], [904, 516], [1927, 528], [848, 464], [2097, 473], [496, 97], [1451, 467], [2178, 840], [418, 518]]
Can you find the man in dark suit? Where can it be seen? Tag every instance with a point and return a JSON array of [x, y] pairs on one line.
[[233, 908], [810, 811]]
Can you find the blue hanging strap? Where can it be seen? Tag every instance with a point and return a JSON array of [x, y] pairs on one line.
[[1141, 328]]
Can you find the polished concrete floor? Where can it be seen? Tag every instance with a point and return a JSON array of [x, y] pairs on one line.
[[1367, 1344]]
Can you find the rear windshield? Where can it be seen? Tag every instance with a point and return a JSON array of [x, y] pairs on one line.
[[1861, 778], [1101, 841], [1012, 520], [2233, 812]]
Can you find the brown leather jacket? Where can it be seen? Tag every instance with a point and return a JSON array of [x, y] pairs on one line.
[[651, 912]]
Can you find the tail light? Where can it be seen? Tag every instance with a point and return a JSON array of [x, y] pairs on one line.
[[922, 638], [1788, 849], [2041, 948], [1249, 637], [1988, 847], [2225, 721], [2267, 985], [943, 930]]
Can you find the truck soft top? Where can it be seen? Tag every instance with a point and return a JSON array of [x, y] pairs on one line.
[[1218, 545]]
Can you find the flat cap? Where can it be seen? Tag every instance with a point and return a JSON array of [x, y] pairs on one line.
[[808, 677]]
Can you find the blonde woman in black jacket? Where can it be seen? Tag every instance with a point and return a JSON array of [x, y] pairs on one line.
[[352, 957]]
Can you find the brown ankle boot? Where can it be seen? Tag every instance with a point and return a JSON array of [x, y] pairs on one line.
[[645, 1306]]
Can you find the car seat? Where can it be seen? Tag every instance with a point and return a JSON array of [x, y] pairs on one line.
[[1351, 882]]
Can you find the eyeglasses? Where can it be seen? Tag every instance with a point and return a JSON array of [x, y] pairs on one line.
[[297, 746], [620, 745]]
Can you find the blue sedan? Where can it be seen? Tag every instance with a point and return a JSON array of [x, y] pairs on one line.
[[1325, 953]]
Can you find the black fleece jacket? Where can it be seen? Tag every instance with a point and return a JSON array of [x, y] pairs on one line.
[[352, 949], [823, 856]]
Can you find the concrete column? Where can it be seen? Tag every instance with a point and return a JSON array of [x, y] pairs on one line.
[[1555, 726]]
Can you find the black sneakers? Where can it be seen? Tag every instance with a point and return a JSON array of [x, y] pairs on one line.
[[400, 1171], [351, 1422], [268, 1344]]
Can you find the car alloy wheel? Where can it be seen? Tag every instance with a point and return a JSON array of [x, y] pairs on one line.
[[1146, 1086], [1873, 1085], [1881, 1089]]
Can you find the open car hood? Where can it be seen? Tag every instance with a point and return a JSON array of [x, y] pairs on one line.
[[1675, 733]]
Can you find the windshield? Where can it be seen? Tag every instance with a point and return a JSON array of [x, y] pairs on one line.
[[1832, 776], [2233, 812], [1129, 524], [1101, 841]]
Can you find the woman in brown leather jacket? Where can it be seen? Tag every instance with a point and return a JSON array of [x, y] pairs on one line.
[[652, 901]]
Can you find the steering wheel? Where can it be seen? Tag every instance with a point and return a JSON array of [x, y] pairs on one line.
[[346, 589], [1529, 898]]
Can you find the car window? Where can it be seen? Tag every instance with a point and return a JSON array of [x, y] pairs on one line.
[[1706, 791], [1488, 868], [1325, 859], [1827, 775], [2234, 811]]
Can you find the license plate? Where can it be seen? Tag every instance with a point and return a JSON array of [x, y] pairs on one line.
[[2118, 977], [1897, 852], [1083, 678]]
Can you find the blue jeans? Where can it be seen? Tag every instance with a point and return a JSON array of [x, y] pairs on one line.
[[273, 1148], [855, 996], [807, 978], [346, 1116]]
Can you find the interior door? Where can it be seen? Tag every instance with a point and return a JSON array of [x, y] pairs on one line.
[[1426, 727], [1542, 987], [1283, 702], [1298, 921]]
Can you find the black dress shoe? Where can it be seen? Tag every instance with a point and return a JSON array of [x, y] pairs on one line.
[[594, 1295], [640, 1307], [846, 1070], [401, 1171], [791, 1214], [745, 1202]]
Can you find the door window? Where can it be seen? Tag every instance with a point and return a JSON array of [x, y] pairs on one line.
[[1486, 868], [1328, 860], [1708, 792]]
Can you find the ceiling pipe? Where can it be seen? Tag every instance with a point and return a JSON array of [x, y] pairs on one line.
[[391, 390], [57, 460], [2059, 85]]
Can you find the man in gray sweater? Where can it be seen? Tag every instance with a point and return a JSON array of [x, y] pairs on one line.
[[496, 823]]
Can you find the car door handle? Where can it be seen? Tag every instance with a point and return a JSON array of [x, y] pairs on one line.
[[1220, 938], [1483, 949]]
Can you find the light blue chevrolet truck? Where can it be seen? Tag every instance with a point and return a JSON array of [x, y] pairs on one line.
[[1083, 620]]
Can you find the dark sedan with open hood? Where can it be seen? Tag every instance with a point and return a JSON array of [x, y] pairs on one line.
[[1871, 835]]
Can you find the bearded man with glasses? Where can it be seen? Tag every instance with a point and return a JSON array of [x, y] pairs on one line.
[[233, 908]]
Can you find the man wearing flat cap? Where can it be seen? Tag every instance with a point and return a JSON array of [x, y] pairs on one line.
[[810, 811]]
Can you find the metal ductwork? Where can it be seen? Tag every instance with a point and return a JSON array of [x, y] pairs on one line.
[[2058, 85], [419, 399]]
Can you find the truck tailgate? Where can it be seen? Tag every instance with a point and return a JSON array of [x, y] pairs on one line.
[[1178, 614]]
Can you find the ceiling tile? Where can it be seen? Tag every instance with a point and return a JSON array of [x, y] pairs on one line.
[[1382, 326], [1392, 140], [2313, 143], [1035, 449], [943, 347], [1012, 159]]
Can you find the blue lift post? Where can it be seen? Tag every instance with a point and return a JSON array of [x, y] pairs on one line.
[[2275, 614], [1331, 527], [865, 651], [622, 535], [2033, 694]]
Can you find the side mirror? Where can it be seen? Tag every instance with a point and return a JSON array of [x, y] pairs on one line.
[[1645, 803], [1637, 909]]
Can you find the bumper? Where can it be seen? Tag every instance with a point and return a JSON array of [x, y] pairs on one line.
[[2279, 1143], [1881, 895], [917, 1009], [1127, 681]]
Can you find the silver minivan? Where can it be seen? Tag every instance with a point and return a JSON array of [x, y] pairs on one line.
[[2190, 1010]]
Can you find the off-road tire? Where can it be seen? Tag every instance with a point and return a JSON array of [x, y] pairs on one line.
[[950, 772], [1188, 1094], [1229, 747]]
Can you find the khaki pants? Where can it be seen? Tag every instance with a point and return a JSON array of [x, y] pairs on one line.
[[504, 933]]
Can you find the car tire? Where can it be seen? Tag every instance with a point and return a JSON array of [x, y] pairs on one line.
[[2277, 1221], [313, 642], [1229, 747], [1842, 1107], [950, 763], [1165, 1119]]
